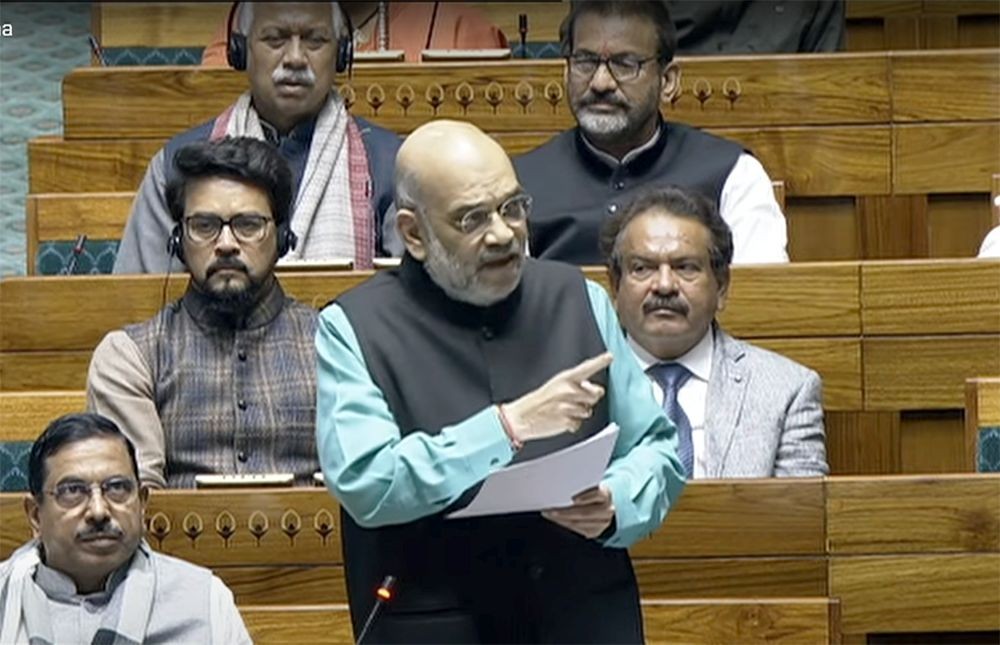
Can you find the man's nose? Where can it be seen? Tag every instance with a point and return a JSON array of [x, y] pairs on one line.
[[226, 244], [295, 53], [603, 81], [666, 279], [97, 507], [498, 232]]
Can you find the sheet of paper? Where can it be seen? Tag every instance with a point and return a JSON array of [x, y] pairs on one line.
[[547, 482]]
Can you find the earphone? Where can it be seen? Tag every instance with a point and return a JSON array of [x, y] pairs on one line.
[[236, 43], [287, 240]]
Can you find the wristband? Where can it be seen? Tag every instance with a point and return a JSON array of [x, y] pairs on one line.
[[515, 443]]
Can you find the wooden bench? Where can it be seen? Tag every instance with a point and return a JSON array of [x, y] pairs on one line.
[[900, 554], [870, 24], [860, 169], [24, 415], [982, 420], [729, 620]]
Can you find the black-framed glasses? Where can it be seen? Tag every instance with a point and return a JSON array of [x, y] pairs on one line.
[[514, 211], [623, 67], [246, 227], [71, 494]]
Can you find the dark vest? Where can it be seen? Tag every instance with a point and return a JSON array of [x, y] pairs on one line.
[[438, 362], [574, 190]]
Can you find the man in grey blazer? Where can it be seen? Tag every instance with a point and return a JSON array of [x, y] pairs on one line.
[[741, 411]]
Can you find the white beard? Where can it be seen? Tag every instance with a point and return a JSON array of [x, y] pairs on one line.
[[603, 125], [459, 282]]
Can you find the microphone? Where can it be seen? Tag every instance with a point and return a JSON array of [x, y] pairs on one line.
[[70, 267], [98, 52], [522, 28], [383, 595], [430, 31]]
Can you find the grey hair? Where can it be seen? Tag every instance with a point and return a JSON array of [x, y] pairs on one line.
[[407, 189], [244, 19]]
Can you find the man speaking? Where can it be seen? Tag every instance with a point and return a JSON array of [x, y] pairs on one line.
[[466, 358]]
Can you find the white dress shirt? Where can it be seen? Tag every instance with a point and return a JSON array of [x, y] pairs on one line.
[[693, 395]]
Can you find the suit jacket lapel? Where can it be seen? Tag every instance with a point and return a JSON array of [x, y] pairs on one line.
[[726, 391]]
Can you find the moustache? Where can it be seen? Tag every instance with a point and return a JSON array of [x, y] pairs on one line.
[[99, 532], [669, 303], [294, 76], [590, 99], [226, 263], [514, 249]]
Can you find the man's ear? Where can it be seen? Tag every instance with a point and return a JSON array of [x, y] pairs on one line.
[[31, 509], [409, 231], [671, 82], [723, 294]]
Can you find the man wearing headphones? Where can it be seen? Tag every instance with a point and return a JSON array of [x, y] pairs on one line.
[[222, 381], [341, 165]]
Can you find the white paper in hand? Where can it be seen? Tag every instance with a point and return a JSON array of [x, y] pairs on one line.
[[547, 482]]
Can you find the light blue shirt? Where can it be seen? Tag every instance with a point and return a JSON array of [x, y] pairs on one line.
[[382, 478]]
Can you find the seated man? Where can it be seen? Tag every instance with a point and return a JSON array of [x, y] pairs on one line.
[[341, 165], [437, 374], [413, 27], [618, 71], [88, 576], [740, 411], [223, 380]]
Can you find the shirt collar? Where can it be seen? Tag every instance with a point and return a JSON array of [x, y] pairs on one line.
[[60, 587], [630, 156], [698, 359], [201, 307], [302, 132]]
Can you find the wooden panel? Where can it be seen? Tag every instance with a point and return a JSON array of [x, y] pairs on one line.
[[731, 577], [822, 161], [957, 224], [299, 624], [930, 297], [837, 360], [822, 229], [812, 302], [801, 156], [160, 24], [814, 620], [924, 373], [930, 593], [58, 166], [24, 416], [862, 443], [927, 87], [752, 620], [893, 226], [819, 299], [972, 151], [157, 102], [763, 517], [63, 216], [285, 584], [881, 8], [982, 410], [959, 513], [26, 371], [931, 441], [978, 31]]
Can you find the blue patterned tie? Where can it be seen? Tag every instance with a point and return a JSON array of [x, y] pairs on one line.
[[671, 376]]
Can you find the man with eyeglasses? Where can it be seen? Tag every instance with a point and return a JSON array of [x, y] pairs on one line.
[[341, 165], [88, 576], [466, 358], [222, 381], [619, 69]]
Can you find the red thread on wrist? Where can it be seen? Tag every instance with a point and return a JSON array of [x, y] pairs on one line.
[[505, 422]]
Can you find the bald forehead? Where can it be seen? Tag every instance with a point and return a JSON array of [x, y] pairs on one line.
[[299, 14]]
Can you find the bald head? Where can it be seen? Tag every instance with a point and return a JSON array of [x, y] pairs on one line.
[[461, 211], [442, 157]]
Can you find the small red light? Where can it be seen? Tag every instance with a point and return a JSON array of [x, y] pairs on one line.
[[383, 593]]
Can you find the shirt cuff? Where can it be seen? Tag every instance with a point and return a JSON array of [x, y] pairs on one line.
[[488, 447]]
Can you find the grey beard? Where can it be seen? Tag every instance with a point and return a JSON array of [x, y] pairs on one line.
[[448, 274]]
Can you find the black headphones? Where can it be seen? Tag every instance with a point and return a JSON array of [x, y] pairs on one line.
[[287, 240], [236, 49]]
